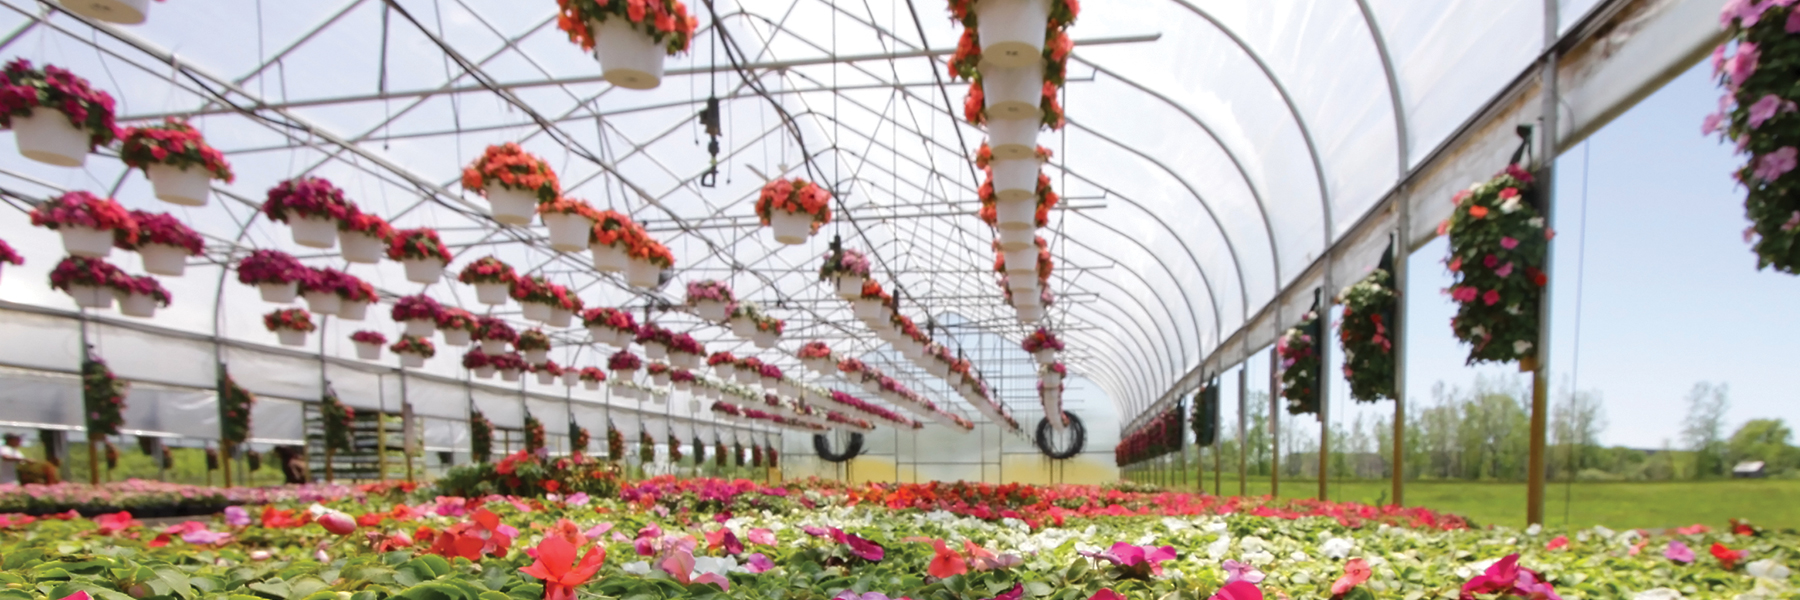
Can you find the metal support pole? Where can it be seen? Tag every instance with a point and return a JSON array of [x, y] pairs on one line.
[[1243, 421], [1274, 424], [1402, 252], [1546, 189], [1324, 345]]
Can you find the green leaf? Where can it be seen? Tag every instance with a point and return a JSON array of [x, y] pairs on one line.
[[439, 566], [305, 586], [177, 581], [1359, 594], [274, 587]]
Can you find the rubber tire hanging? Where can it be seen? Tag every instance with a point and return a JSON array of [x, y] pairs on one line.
[[822, 446], [1043, 437]]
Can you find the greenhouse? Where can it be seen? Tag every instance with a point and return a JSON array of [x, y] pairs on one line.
[[980, 300]]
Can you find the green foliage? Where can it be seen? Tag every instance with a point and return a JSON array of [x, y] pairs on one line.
[[1300, 367], [1767, 440], [336, 419], [103, 399], [1368, 340], [1498, 241], [481, 437], [234, 410], [1772, 202], [525, 474]]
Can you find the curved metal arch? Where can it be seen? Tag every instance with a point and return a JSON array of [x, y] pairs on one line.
[[1131, 381], [1402, 141]]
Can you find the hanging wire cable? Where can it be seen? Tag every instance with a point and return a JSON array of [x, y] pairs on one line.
[[1575, 367]]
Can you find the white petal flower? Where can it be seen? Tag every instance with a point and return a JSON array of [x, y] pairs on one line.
[[1659, 594], [636, 568], [1767, 568], [1534, 529], [1510, 205], [1537, 222], [1337, 548], [1252, 544], [1219, 547], [1521, 346], [1259, 559]]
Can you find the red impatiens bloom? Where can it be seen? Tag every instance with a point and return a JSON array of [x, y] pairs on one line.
[[557, 568]]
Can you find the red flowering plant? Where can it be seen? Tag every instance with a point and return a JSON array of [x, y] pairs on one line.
[[844, 262], [8, 255], [289, 319], [494, 329], [409, 344], [453, 318], [851, 366], [1042, 339], [488, 269], [511, 167], [82, 209], [768, 324], [872, 291], [1498, 243], [815, 349], [1368, 336], [333, 281], [975, 105], [624, 360], [532, 339], [612, 228], [651, 333], [1045, 262], [642, 247], [474, 359], [568, 206], [357, 221], [795, 196], [235, 405], [269, 266], [418, 244], [719, 358], [610, 318], [665, 21], [77, 270], [103, 398], [710, 289], [1299, 352], [160, 228], [510, 361], [23, 88], [593, 374], [656, 368], [534, 434], [686, 344], [308, 197], [416, 308], [369, 337], [145, 285], [173, 143], [1046, 199], [1757, 112], [682, 376]]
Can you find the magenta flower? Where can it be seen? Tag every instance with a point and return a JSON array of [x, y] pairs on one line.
[[1465, 294], [757, 563], [1793, 22], [1508, 243], [1679, 552], [1238, 590], [1775, 164], [1743, 64], [761, 536], [680, 565], [1508, 578], [868, 550], [1139, 561], [1504, 270], [1766, 108], [1491, 297], [1106, 594], [236, 516]]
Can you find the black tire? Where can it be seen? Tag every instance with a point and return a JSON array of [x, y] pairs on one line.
[[1075, 427], [822, 446]]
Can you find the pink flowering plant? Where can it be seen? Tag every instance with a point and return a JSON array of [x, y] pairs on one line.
[[414, 345], [418, 244], [794, 196], [624, 360], [1498, 242], [312, 197], [815, 349], [77, 270], [710, 289], [24, 88], [176, 144], [82, 209], [1756, 67], [369, 337], [453, 318], [476, 359], [610, 318], [416, 308], [8, 255], [494, 329], [269, 266], [161, 228], [335, 282], [686, 344], [1298, 349], [487, 269], [358, 221], [839, 263], [1368, 336], [1042, 339], [145, 285], [289, 319]]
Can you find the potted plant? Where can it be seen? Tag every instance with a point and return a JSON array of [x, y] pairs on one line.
[[413, 351], [535, 345], [1052, 375], [368, 344], [872, 304], [123, 12], [567, 305], [659, 373], [419, 313], [423, 254], [571, 376], [744, 320], [494, 335], [323, 289], [312, 206], [364, 236], [548, 372], [1753, 68], [514, 182], [794, 208], [276, 274], [457, 325], [655, 341], [354, 298], [768, 331], [139, 296], [624, 365], [609, 326], [723, 364], [290, 324], [1042, 345], [592, 377], [685, 351], [570, 221], [1300, 367], [1028, 211], [163, 242], [610, 241], [748, 370], [712, 299], [1368, 336], [492, 279], [177, 159], [89, 224], [509, 365], [535, 297], [648, 258], [629, 39], [683, 379], [55, 116], [478, 362], [8, 255], [770, 376], [1498, 245]]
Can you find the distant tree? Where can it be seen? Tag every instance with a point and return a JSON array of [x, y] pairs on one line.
[[1575, 425], [1767, 440], [1704, 429]]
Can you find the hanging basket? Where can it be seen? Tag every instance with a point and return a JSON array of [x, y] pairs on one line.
[[86, 241], [47, 136], [353, 310], [1044, 357], [590, 385], [1016, 179], [314, 232], [423, 270], [545, 378], [684, 360], [412, 361], [279, 293], [571, 378], [537, 358], [510, 206], [866, 309], [849, 286], [457, 337], [604, 335], [492, 294], [629, 58], [655, 350], [324, 303], [725, 370], [560, 317], [123, 12], [939, 368], [1016, 239], [183, 186], [1016, 213], [1022, 264], [790, 228], [535, 311], [137, 305], [766, 339], [291, 337], [1013, 139], [1013, 93], [361, 247], [509, 375], [423, 328], [568, 232], [368, 351], [822, 366], [610, 259], [1012, 31], [712, 310], [660, 379], [483, 372], [746, 376], [163, 259], [493, 347], [642, 273]]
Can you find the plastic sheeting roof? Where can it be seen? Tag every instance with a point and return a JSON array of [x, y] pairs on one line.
[[1202, 170]]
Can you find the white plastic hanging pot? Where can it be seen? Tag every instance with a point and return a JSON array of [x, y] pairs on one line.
[[314, 232], [47, 136], [1014, 239], [570, 378], [291, 337], [1027, 301], [629, 58], [163, 259], [509, 375], [423, 270], [590, 385], [1016, 213], [600, 335], [545, 378], [684, 360], [661, 379], [1053, 406], [412, 361], [137, 305], [747, 376], [610, 259], [642, 273], [769, 384], [123, 12], [324, 303], [822, 366], [568, 232], [790, 228], [1052, 380], [187, 186], [1013, 139], [1012, 31], [655, 350], [86, 241], [866, 309], [939, 368], [483, 372], [849, 286], [787, 389], [1021, 262], [493, 347], [725, 370], [421, 327], [743, 327], [560, 317], [712, 310], [279, 293], [510, 206], [1016, 179], [914, 349], [368, 351], [766, 339], [871, 386], [457, 337], [1045, 356], [1030, 314], [353, 310], [359, 247], [535, 311], [1013, 93], [537, 358], [492, 294]]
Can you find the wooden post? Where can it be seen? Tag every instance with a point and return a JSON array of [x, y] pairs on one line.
[[1402, 250], [329, 452], [1274, 423], [225, 461], [1243, 420], [93, 461], [1546, 192], [1324, 343]]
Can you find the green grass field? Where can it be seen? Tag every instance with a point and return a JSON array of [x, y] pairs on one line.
[[1648, 505]]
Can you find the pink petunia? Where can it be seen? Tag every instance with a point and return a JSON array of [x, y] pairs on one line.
[[1792, 222], [1679, 552], [1766, 108], [1743, 64], [1508, 243], [1793, 22], [1504, 270], [1465, 294], [1773, 165], [1712, 123]]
